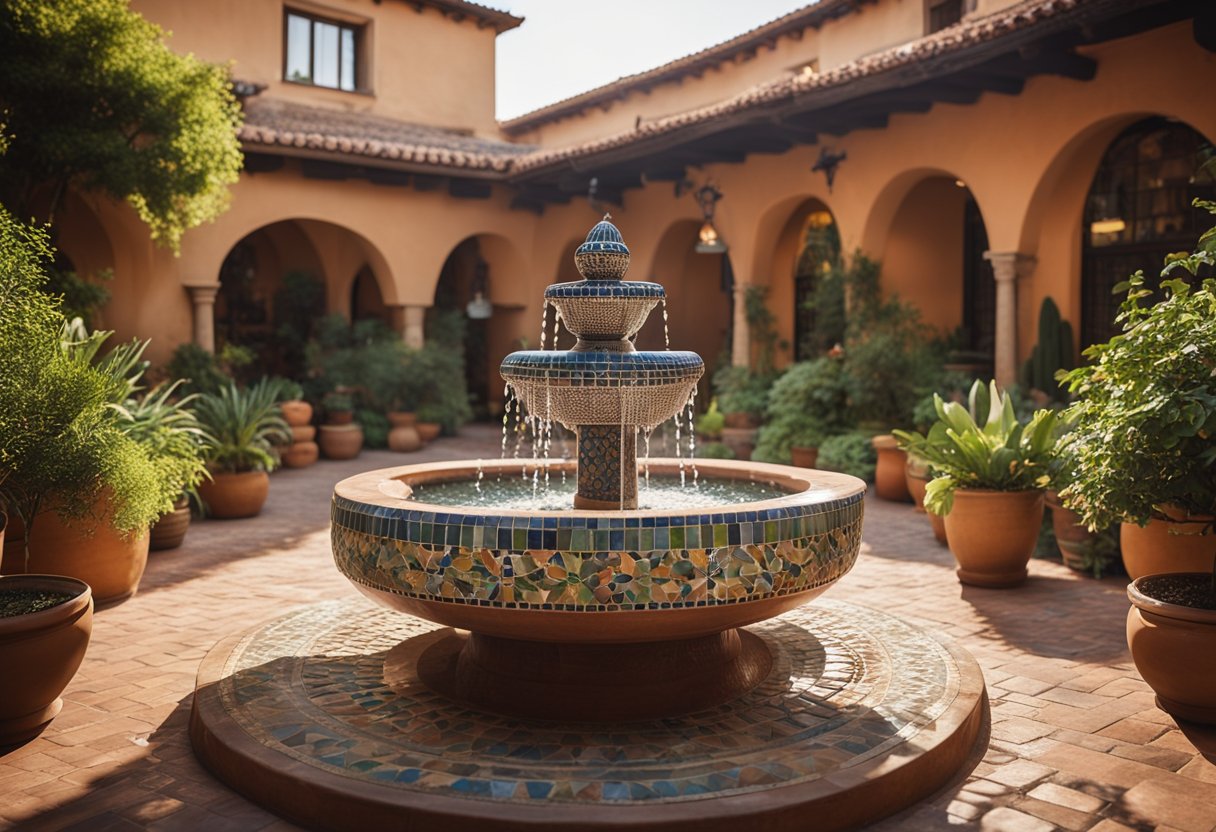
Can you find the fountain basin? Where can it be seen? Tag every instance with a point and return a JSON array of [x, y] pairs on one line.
[[603, 388], [604, 309], [596, 577]]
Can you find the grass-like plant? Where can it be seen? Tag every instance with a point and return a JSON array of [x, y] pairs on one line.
[[982, 446], [166, 427], [243, 425]]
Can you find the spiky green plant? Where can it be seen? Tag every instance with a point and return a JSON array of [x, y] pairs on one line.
[[170, 433], [982, 446], [244, 424]]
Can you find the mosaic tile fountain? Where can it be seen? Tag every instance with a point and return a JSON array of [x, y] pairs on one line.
[[596, 666]]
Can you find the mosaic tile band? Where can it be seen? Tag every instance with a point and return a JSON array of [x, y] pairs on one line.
[[581, 563], [849, 685]]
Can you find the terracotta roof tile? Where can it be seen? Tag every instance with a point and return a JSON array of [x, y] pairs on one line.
[[484, 15], [271, 122]]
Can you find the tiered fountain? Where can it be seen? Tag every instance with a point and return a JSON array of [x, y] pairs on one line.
[[593, 667]]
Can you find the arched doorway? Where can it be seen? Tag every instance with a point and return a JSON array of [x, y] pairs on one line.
[[819, 254], [1137, 211], [934, 258]]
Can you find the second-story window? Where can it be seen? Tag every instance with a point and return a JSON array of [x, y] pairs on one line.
[[321, 52], [943, 13]]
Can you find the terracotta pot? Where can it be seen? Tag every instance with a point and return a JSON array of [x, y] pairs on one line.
[[916, 476], [170, 530], [40, 653], [804, 457], [1072, 537], [428, 432], [303, 433], [1166, 546], [233, 496], [296, 412], [340, 441], [740, 440], [403, 436], [939, 526], [401, 418], [993, 534], [88, 549], [741, 421], [889, 480], [1172, 646], [300, 454], [339, 417]]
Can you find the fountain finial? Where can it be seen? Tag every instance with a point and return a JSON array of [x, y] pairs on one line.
[[603, 255]]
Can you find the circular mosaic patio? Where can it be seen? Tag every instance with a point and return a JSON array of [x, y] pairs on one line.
[[861, 715]]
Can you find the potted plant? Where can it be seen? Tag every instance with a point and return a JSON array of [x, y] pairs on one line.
[[430, 422], [710, 424], [1143, 453], [989, 475], [243, 424], [808, 403], [59, 445], [848, 453], [296, 412], [302, 450], [743, 396], [340, 437], [169, 430], [339, 407]]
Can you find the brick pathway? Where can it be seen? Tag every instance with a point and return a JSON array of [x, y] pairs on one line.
[[1076, 742]]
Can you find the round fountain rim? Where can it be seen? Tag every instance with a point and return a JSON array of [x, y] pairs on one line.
[[808, 487]]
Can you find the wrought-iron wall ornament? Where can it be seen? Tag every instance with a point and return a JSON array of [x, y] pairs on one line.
[[708, 239], [828, 162]]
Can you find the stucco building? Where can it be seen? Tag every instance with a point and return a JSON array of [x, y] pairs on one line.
[[989, 153]]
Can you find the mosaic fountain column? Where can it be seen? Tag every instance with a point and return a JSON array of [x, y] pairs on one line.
[[603, 388]]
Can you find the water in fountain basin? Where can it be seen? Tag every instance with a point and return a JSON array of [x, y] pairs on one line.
[[664, 493]]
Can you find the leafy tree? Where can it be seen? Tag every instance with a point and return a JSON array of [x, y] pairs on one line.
[[93, 99]]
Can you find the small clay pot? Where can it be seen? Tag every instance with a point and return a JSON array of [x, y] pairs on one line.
[[1166, 546], [40, 653], [428, 432], [170, 530], [1171, 646], [300, 454], [234, 496], [296, 412], [340, 441], [993, 534], [804, 457], [303, 433], [339, 417], [890, 482], [1071, 534]]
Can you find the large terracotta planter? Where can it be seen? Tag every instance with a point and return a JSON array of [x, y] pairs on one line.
[[1172, 646], [1166, 546], [300, 454], [993, 534], [428, 432], [403, 436], [1072, 537], [296, 412], [88, 549], [233, 496], [890, 482], [40, 653], [170, 530], [804, 457], [340, 441]]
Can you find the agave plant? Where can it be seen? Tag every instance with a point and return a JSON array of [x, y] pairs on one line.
[[243, 424], [982, 446], [170, 432]]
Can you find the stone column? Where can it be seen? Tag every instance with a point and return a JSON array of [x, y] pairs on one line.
[[413, 326], [741, 338], [1007, 267], [202, 301]]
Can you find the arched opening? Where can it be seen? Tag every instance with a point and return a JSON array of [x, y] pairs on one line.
[[566, 272], [366, 300], [698, 288], [1137, 211], [934, 259]]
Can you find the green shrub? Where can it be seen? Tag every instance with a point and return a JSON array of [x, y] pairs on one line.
[[375, 428], [808, 403], [739, 390], [711, 422], [714, 450], [848, 453]]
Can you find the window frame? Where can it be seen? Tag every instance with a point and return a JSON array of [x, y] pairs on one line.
[[358, 30], [932, 5]]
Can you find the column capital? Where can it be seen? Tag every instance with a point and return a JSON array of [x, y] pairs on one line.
[[1010, 265], [203, 293]]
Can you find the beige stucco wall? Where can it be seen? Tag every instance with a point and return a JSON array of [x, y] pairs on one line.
[[1027, 159], [425, 68]]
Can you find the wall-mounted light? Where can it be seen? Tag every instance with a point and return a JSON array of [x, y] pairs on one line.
[[480, 308], [1111, 225], [708, 239]]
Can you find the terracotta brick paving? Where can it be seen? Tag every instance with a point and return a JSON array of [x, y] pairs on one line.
[[1076, 743]]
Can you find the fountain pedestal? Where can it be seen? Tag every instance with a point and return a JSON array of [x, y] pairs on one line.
[[607, 468]]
